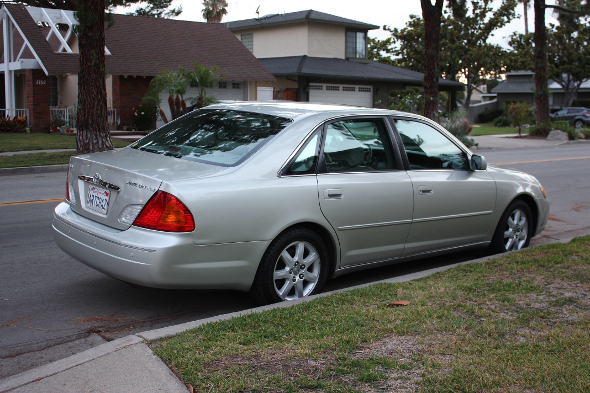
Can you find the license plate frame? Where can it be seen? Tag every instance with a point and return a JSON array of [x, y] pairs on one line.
[[97, 199]]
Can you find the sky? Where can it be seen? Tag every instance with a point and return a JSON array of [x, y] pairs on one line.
[[393, 13]]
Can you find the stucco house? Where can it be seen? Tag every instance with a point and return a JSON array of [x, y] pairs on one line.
[[40, 61], [319, 57], [520, 86]]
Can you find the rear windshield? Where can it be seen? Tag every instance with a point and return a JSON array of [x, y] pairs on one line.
[[214, 136]]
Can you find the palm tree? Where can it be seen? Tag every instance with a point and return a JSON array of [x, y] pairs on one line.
[[202, 78], [176, 84], [214, 10]]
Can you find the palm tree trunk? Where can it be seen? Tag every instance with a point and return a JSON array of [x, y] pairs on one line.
[[93, 133], [525, 4]]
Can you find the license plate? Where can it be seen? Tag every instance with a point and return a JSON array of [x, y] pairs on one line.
[[98, 199]]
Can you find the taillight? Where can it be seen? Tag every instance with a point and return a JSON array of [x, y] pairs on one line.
[[70, 196], [165, 212]]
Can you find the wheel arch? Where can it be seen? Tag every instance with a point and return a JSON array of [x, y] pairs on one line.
[[530, 201], [326, 236]]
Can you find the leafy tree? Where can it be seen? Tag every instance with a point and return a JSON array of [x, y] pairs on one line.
[[214, 10], [519, 113], [93, 133], [157, 9], [568, 58], [465, 53], [540, 58]]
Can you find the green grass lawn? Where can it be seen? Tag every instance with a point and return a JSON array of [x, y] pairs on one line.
[[490, 129], [515, 323], [24, 142]]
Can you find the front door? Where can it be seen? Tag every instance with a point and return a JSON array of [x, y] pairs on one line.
[[453, 205]]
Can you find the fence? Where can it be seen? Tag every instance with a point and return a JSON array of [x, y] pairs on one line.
[[68, 115], [15, 113]]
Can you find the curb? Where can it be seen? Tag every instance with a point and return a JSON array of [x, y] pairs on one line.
[[30, 170]]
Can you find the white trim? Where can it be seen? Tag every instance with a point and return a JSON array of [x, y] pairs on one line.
[[25, 40], [51, 24]]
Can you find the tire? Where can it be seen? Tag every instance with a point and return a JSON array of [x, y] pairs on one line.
[[514, 230], [578, 124], [281, 276]]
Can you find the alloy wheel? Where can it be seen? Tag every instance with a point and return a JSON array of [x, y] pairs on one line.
[[516, 232], [297, 270]]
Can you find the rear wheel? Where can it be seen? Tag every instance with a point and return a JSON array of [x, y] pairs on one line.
[[514, 230], [578, 124], [294, 266]]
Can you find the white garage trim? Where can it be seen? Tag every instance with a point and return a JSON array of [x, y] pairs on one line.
[[341, 94]]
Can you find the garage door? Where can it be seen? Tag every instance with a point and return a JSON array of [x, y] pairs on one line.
[[341, 94]]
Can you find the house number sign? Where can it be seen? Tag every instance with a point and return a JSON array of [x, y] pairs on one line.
[[41, 82]]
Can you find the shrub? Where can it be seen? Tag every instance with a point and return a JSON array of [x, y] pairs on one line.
[[145, 117], [410, 100], [572, 132], [458, 125], [541, 129], [16, 124], [488, 116], [503, 121]]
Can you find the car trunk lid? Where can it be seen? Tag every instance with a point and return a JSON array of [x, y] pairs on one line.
[[110, 183]]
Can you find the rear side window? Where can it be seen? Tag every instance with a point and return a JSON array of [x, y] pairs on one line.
[[358, 145], [306, 160], [220, 137]]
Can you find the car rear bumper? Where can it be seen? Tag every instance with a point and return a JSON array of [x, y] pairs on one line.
[[156, 259]]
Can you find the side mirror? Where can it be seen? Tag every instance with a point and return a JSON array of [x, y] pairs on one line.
[[477, 162]]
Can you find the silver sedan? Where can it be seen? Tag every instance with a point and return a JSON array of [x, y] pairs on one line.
[[275, 198]]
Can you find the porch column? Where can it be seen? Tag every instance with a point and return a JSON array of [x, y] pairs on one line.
[[8, 28]]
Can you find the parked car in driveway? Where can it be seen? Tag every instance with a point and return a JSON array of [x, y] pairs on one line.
[[275, 198], [579, 117]]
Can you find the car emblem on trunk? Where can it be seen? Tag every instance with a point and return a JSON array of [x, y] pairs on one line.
[[97, 179]]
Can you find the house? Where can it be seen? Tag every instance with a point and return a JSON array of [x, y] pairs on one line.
[[520, 86], [40, 61], [319, 57]]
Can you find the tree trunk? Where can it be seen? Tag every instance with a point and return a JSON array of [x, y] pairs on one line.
[[432, 17], [93, 131], [541, 85]]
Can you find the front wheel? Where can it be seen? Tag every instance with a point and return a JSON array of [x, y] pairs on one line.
[[514, 230], [294, 266]]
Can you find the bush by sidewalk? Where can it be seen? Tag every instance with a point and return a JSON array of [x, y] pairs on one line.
[[515, 323]]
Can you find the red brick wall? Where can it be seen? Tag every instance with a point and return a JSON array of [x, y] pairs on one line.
[[127, 93], [37, 93]]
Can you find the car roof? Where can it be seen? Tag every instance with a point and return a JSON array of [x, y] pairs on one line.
[[292, 110]]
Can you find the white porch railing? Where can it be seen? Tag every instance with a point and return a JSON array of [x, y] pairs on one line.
[[68, 115], [15, 113]]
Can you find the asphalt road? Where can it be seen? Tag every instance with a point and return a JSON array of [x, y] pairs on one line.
[[52, 306]]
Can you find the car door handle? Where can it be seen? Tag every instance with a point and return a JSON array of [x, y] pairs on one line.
[[422, 190], [335, 193]]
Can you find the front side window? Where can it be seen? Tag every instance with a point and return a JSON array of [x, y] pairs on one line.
[[213, 136], [358, 145], [427, 148], [356, 44]]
